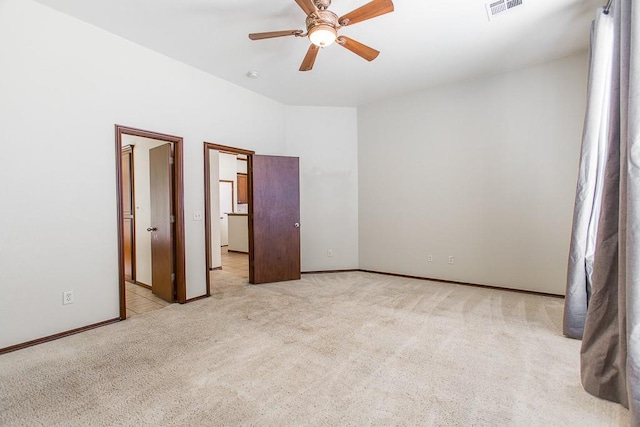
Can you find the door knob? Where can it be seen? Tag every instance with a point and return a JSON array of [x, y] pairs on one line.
[[296, 225], [152, 229]]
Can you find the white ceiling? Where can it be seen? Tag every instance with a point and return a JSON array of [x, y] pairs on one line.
[[424, 43]]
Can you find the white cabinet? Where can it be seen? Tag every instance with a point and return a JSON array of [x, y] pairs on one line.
[[238, 232]]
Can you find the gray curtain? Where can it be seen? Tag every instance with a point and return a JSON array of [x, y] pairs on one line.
[[591, 176], [603, 285]]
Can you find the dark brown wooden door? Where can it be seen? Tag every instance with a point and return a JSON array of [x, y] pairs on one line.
[[276, 219], [127, 214], [161, 227]]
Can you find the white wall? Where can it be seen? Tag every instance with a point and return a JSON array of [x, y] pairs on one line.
[[142, 196], [242, 165], [63, 86], [229, 172], [328, 184], [483, 170], [214, 198]]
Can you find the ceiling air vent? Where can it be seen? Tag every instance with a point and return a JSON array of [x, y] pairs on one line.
[[500, 6]]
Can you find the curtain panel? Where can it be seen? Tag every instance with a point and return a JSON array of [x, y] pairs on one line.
[[591, 176], [603, 283]]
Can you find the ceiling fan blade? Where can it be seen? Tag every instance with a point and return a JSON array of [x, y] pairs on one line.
[[307, 6], [272, 34], [358, 48], [368, 11], [310, 58]]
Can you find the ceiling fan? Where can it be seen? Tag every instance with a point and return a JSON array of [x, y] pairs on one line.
[[323, 26]]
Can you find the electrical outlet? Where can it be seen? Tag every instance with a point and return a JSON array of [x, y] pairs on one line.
[[329, 253], [67, 297], [430, 258], [452, 260], [197, 216]]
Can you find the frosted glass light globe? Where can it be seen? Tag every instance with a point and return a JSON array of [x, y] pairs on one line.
[[322, 35]]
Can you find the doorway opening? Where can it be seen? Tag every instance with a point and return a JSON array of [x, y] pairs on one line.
[[150, 199], [272, 218], [228, 225]]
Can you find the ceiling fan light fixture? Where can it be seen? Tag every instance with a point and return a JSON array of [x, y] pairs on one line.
[[323, 26], [323, 35]]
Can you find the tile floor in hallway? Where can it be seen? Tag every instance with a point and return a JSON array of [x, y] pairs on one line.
[[235, 263], [141, 300]]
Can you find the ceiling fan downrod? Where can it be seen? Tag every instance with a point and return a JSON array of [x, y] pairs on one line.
[[322, 4]]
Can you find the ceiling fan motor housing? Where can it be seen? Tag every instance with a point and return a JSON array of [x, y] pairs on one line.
[[322, 17]]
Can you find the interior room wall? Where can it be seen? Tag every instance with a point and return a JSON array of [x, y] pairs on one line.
[[328, 184], [64, 85], [483, 170], [242, 165], [229, 172], [142, 195], [214, 199]]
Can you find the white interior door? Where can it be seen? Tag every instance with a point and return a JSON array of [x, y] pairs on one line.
[[226, 206]]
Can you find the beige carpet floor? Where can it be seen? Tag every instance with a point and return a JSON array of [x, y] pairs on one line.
[[348, 349]]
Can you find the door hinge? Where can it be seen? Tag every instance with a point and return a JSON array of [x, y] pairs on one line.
[[173, 277], [171, 160], [172, 219]]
